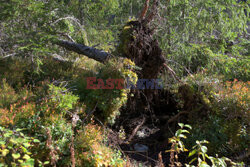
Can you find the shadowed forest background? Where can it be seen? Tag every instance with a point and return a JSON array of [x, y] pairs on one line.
[[199, 49]]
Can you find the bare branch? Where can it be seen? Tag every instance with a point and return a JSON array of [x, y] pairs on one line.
[[153, 13], [10, 55], [172, 73], [144, 11]]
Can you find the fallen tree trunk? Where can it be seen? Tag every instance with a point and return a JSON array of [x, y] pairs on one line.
[[91, 52]]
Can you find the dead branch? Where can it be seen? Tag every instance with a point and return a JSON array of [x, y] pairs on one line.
[[52, 150], [171, 71], [90, 113], [136, 129], [160, 161], [7, 56], [75, 118], [153, 13], [144, 11], [72, 151]]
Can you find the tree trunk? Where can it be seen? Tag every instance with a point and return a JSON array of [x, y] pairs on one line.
[[91, 52]]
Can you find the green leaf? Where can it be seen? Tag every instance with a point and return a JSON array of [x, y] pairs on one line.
[[8, 134], [181, 145], [5, 152], [204, 142], [178, 132], [2, 142], [192, 160], [188, 126], [203, 149], [46, 163], [16, 156], [24, 149], [20, 161], [13, 141], [181, 125], [30, 162], [182, 136], [26, 157], [222, 162], [36, 141], [26, 144], [204, 164], [192, 153], [184, 131], [18, 130]]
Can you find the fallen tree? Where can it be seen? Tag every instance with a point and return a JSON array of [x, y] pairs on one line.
[[136, 43]]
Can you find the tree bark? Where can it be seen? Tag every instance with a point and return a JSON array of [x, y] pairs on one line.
[[90, 52]]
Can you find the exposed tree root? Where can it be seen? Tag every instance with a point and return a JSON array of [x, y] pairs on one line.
[[136, 129]]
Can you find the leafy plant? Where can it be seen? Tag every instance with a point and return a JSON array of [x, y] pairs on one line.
[[15, 148], [227, 123], [200, 150], [177, 144], [202, 159], [92, 150]]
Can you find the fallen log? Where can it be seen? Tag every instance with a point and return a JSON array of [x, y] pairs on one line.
[[90, 52]]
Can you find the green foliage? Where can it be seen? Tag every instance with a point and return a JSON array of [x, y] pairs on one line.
[[51, 114], [202, 159], [35, 27], [62, 98], [109, 101], [200, 150], [203, 37], [227, 124], [176, 141], [125, 38], [15, 148], [177, 145], [206, 34]]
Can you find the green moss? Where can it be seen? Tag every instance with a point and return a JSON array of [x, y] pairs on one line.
[[125, 38]]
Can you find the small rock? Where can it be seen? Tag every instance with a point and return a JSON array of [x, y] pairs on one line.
[[140, 147]]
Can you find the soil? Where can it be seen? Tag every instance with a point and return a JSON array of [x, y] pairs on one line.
[[153, 133]]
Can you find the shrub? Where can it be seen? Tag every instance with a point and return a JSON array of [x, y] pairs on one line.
[[199, 150], [14, 106], [15, 148], [51, 123], [92, 150], [8, 95], [232, 106], [227, 121]]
